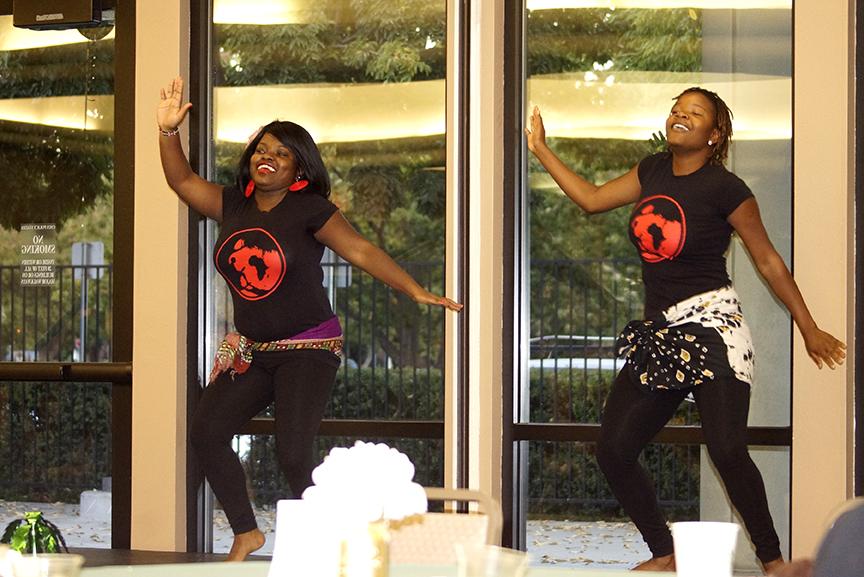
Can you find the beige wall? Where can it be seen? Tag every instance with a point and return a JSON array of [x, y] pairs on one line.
[[159, 340], [823, 261], [485, 246]]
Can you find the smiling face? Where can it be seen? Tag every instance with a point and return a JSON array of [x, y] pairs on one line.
[[691, 124], [272, 165]]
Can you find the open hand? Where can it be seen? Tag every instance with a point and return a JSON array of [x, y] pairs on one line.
[[658, 142], [536, 132], [824, 348], [171, 111], [427, 298]]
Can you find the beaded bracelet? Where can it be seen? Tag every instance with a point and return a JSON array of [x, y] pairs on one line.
[[173, 132]]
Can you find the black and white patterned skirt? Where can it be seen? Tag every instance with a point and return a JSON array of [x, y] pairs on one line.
[[697, 340]]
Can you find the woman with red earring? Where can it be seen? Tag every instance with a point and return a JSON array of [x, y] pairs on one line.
[[276, 220]]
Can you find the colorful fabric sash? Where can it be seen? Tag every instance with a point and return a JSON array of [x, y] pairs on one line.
[[235, 351], [675, 352]]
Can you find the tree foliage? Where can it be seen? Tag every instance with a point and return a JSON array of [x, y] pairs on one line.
[[573, 40], [58, 174], [80, 69], [342, 41]]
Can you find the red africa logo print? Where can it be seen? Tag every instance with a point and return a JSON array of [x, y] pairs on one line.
[[658, 228], [252, 262]]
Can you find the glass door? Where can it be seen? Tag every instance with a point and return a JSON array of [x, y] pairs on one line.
[[604, 75]]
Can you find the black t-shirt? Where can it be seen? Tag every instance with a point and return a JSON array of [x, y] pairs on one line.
[[272, 263], [680, 229]]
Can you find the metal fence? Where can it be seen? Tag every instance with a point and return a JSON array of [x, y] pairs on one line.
[[68, 321], [393, 365]]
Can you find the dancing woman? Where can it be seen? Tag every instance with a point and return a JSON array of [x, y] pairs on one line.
[[693, 339], [276, 220]]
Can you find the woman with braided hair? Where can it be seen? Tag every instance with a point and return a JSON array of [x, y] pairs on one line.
[[693, 339]]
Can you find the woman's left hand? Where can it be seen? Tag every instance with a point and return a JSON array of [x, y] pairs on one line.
[[427, 298], [823, 347]]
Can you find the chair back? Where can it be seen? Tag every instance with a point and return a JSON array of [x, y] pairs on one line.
[[841, 553], [430, 539]]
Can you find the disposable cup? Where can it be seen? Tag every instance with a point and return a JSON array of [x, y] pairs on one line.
[[7, 555], [47, 565], [704, 548]]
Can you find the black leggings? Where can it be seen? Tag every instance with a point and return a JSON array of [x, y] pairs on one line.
[[300, 383], [631, 418]]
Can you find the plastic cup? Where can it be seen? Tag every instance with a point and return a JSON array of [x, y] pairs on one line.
[[7, 555], [490, 561], [704, 548], [47, 565]]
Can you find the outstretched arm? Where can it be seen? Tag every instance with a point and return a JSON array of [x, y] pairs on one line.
[[341, 237], [591, 198], [821, 346], [203, 196]]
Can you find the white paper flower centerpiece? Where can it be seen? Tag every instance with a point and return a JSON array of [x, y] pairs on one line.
[[365, 483], [340, 528]]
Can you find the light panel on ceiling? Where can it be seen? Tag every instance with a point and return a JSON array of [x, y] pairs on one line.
[[631, 108], [262, 12], [662, 4]]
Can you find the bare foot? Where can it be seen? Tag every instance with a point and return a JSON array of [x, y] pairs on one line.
[[780, 568], [665, 563], [244, 544], [771, 567], [799, 568]]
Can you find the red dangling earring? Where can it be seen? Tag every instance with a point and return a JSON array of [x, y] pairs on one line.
[[299, 185], [250, 188]]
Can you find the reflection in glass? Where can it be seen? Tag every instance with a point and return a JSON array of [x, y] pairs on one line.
[[604, 79], [56, 150], [574, 519], [367, 79], [56, 455]]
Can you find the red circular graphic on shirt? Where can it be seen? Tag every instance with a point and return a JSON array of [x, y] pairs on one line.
[[252, 262], [659, 228]]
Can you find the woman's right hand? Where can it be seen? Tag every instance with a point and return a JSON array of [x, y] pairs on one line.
[[824, 348], [536, 132], [171, 112]]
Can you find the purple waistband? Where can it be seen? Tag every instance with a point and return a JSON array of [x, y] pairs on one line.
[[327, 330]]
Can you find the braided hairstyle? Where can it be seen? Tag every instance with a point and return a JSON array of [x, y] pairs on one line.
[[722, 122]]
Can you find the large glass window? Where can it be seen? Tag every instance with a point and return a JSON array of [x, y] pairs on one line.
[[56, 289], [604, 75], [367, 79], [56, 450]]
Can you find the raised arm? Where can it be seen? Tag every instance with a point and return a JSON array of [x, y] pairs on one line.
[[338, 234], [821, 346], [591, 198], [201, 195]]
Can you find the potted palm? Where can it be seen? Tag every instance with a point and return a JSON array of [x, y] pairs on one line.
[[33, 533]]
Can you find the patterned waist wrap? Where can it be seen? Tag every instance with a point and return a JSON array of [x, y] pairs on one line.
[[235, 351], [682, 350]]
